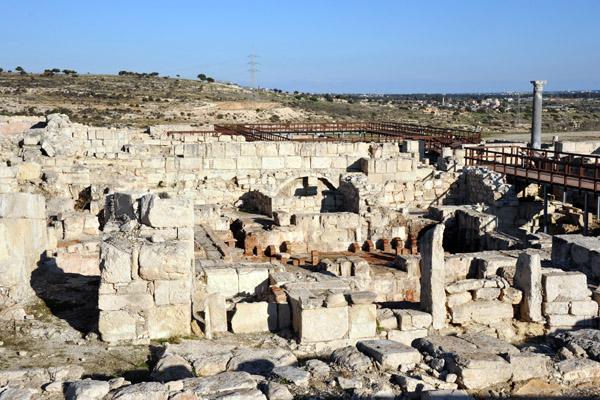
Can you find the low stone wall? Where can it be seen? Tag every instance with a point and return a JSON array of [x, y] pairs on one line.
[[587, 147], [147, 269], [577, 252], [22, 242], [490, 188]]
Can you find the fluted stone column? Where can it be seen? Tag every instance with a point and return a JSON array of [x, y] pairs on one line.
[[536, 122]]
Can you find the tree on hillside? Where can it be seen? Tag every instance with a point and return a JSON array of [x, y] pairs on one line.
[[202, 77], [1, 70], [48, 72], [55, 70], [209, 80], [21, 70]]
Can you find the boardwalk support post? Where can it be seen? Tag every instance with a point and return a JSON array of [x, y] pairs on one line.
[[585, 214], [545, 209], [565, 198]]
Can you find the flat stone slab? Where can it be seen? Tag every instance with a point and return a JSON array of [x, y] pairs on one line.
[[479, 370], [390, 354], [219, 383], [465, 285], [489, 344], [362, 297], [579, 369], [446, 395], [297, 376], [437, 346]]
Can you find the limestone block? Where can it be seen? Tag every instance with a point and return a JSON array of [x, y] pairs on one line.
[[29, 171], [165, 322], [445, 394], [253, 280], [216, 306], [482, 312], [413, 319], [115, 262], [465, 285], [320, 162], [254, 317], [345, 266], [528, 366], [556, 307], [486, 294], [360, 268], [268, 163], [584, 308], [409, 263], [293, 162], [222, 280], [364, 297], [528, 279], [91, 225], [282, 218], [165, 261], [479, 370], [565, 286], [362, 321], [22, 205], [116, 325], [390, 354], [386, 319], [166, 213], [578, 369], [84, 389], [569, 320], [172, 292], [511, 295], [433, 294], [458, 299], [73, 224], [134, 302], [330, 266], [407, 337], [322, 324]]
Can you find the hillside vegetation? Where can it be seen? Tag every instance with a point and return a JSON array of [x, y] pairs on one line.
[[144, 100]]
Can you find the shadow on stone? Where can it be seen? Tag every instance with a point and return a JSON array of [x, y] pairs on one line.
[[68, 296]]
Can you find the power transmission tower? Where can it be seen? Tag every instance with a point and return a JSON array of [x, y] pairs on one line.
[[253, 71]]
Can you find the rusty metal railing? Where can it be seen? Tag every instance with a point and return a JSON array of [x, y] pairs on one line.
[[435, 138], [581, 171]]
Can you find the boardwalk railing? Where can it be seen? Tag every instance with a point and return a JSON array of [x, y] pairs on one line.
[[435, 138], [580, 171]]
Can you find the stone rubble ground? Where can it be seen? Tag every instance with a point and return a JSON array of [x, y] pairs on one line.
[[161, 270]]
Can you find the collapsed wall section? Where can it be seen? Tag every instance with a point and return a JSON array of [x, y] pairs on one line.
[[146, 264]]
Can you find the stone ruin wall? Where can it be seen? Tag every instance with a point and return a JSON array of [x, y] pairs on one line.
[[147, 270]]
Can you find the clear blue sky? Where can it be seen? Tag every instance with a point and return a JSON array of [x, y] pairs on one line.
[[321, 46]]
